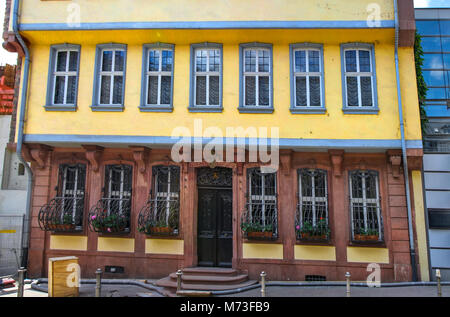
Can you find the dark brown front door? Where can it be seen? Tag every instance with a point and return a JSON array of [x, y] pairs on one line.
[[215, 233]]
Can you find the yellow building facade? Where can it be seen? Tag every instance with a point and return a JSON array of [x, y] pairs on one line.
[[113, 87]]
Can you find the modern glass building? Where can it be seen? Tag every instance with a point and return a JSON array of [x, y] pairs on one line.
[[434, 27]]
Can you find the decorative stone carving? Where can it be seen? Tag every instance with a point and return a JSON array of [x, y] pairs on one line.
[[39, 153], [336, 157], [395, 159], [140, 155], [219, 176], [93, 154]]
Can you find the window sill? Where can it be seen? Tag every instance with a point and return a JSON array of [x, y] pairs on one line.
[[70, 108], [112, 108], [255, 109], [156, 108], [360, 110], [370, 244], [308, 110], [205, 109], [312, 242]]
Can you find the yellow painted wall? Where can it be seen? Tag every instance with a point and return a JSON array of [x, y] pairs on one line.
[[37, 11], [75, 243], [312, 252], [164, 246], [133, 122], [115, 244], [367, 255], [420, 225], [262, 251]]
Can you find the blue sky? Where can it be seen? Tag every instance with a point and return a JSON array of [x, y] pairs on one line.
[[10, 58]]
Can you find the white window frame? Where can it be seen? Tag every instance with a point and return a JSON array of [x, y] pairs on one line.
[[207, 74], [121, 193], [66, 75], [112, 74], [257, 74], [167, 195], [313, 199], [263, 197], [364, 201], [160, 73], [308, 74], [358, 74]]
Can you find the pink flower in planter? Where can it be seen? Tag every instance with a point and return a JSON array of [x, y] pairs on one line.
[[298, 227], [93, 217], [109, 230]]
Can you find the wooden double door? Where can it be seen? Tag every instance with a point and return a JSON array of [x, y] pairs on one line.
[[215, 220]]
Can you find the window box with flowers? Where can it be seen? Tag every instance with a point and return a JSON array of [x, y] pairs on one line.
[[309, 232]]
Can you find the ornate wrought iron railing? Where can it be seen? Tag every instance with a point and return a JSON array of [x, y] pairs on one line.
[[260, 221], [311, 223], [62, 214], [110, 215], [160, 217]]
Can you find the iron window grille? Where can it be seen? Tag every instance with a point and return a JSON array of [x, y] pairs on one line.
[[359, 77], [112, 75], [112, 212], [207, 72], [308, 77], [257, 77], [160, 216], [365, 210], [159, 77], [260, 217], [65, 211], [312, 222]]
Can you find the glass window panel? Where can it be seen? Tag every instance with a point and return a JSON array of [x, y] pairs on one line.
[[250, 61], [263, 84], [366, 91], [61, 61], [314, 91], [364, 61], [300, 90], [59, 89], [446, 61], [436, 93], [153, 64], [445, 27], [352, 91], [152, 98], [105, 89], [71, 89], [432, 44], [432, 61], [350, 61], [73, 61], [166, 84], [214, 90], [434, 78], [166, 61], [214, 60], [300, 61], [250, 90], [313, 57], [427, 27], [201, 60], [107, 61], [263, 61], [201, 90], [119, 60], [445, 44], [118, 92]]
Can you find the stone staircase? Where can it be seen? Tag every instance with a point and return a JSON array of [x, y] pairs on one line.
[[205, 279]]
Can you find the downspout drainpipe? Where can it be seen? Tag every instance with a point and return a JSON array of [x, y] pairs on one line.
[[405, 162], [23, 103]]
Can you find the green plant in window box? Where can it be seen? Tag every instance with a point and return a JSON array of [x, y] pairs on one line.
[[256, 230], [109, 223], [67, 222], [372, 235]]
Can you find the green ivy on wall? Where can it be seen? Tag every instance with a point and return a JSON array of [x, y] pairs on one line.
[[421, 85]]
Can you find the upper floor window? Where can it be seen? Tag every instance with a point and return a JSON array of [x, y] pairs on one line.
[[109, 85], [256, 78], [62, 87], [307, 78], [312, 212], [260, 219], [206, 92], [365, 207], [157, 84], [359, 80]]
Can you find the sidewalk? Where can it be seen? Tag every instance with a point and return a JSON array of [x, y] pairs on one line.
[[88, 290]]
